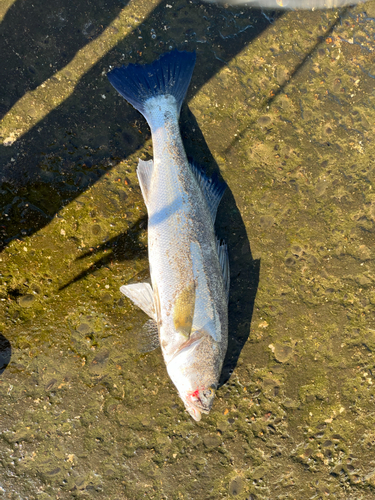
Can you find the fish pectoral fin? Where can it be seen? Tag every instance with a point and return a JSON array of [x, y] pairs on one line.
[[143, 296], [148, 339], [222, 251], [144, 173], [184, 310], [212, 188]]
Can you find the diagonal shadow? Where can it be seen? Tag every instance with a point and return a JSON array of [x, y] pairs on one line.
[[40, 37], [5, 353], [72, 147], [270, 99], [244, 270], [124, 246]]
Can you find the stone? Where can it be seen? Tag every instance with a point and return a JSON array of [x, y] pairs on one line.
[[236, 486], [26, 300], [211, 441], [84, 328], [282, 353]]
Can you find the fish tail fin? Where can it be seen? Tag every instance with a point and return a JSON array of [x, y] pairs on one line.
[[168, 75]]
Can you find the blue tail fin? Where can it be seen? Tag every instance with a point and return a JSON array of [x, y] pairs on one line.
[[169, 75]]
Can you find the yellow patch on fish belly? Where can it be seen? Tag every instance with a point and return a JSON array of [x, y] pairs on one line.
[[184, 310], [157, 304]]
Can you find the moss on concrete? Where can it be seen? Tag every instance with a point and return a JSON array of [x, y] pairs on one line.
[[288, 120]]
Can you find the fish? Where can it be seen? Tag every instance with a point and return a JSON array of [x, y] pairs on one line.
[[289, 4], [187, 300]]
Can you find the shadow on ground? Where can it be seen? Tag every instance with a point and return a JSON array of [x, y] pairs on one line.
[[95, 128], [244, 270], [81, 139], [229, 226], [84, 137], [39, 38], [5, 353], [124, 246]]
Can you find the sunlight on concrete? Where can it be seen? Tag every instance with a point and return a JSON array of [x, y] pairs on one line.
[[62, 84], [5, 5]]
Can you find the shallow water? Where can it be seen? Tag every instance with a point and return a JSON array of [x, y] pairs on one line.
[[282, 106]]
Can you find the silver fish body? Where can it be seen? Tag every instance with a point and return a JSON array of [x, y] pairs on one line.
[[188, 266]]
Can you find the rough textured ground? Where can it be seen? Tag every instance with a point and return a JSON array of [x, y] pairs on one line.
[[283, 107]]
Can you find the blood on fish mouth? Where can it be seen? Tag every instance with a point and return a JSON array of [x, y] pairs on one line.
[[195, 400], [195, 394]]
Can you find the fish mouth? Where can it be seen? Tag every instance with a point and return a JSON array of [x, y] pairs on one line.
[[194, 412], [198, 402]]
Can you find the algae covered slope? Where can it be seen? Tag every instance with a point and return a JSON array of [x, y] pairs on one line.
[[284, 111]]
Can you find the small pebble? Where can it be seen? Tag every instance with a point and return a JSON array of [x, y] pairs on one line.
[[26, 300], [236, 486]]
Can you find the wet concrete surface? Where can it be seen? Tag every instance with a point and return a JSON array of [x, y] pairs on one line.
[[282, 106]]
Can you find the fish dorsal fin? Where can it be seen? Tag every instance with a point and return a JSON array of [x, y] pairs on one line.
[[184, 310], [142, 296], [212, 188], [205, 314], [144, 173], [148, 339], [222, 251]]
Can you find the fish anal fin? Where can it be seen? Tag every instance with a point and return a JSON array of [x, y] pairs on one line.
[[142, 295], [148, 339], [144, 173], [184, 310]]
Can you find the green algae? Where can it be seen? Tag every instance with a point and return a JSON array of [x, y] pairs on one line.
[[288, 121]]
